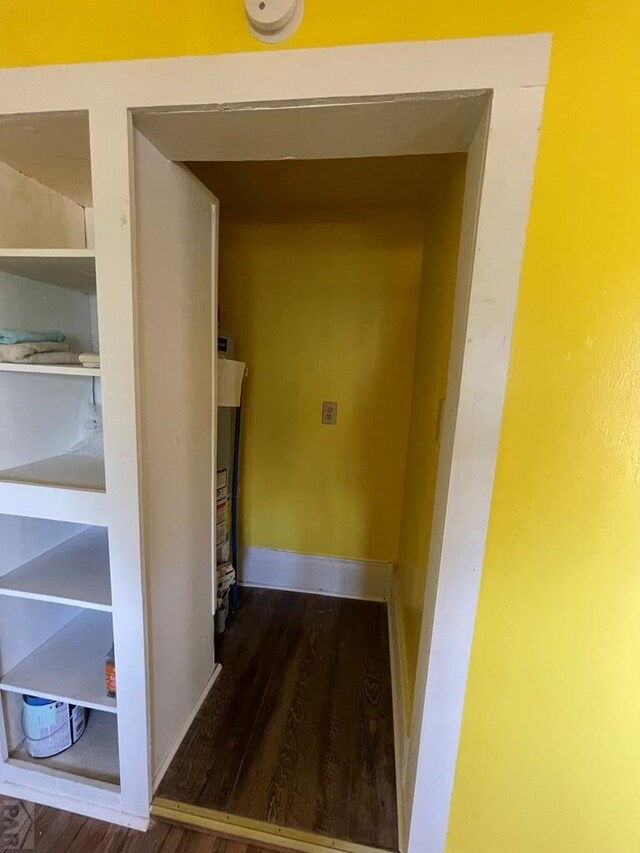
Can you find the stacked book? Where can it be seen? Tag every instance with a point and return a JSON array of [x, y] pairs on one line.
[[226, 574], [223, 516]]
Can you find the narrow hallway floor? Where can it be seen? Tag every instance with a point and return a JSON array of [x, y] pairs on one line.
[[298, 729]]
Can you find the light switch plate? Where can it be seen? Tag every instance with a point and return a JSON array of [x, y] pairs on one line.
[[329, 413]]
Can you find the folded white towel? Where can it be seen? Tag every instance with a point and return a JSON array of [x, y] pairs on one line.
[[17, 353], [90, 359], [51, 358]]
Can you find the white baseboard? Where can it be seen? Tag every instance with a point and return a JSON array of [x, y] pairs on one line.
[[170, 755], [56, 800], [273, 569], [400, 728]]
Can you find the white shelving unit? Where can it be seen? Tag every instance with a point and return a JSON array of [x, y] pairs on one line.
[[56, 606], [66, 594]]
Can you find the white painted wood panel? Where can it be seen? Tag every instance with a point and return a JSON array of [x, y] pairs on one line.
[[492, 242], [398, 663], [75, 572], [380, 127], [51, 148], [34, 216], [89, 228], [72, 268], [174, 286], [51, 369], [69, 666], [111, 150], [51, 502], [97, 800], [443, 65]]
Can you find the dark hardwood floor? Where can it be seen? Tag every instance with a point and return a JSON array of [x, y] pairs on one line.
[[53, 831], [298, 729]]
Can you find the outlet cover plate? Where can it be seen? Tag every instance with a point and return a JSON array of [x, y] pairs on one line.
[[329, 413]]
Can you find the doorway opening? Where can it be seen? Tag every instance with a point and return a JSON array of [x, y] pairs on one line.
[[239, 143], [335, 286], [336, 282]]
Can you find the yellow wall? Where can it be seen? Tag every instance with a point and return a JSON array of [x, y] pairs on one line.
[[550, 756], [320, 266], [433, 338]]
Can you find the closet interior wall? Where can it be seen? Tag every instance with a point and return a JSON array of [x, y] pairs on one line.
[[337, 280]]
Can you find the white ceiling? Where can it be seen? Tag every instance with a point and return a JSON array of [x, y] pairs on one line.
[[51, 148], [421, 124]]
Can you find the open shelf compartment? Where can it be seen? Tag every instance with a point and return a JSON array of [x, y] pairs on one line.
[[70, 268], [52, 432], [93, 758], [67, 470], [69, 666], [46, 197], [74, 572]]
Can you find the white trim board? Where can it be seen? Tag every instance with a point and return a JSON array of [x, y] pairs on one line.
[[270, 568], [376, 70], [89, 800], [400, 732]]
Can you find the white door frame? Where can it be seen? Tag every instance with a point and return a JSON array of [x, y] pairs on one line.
[[497, 195]]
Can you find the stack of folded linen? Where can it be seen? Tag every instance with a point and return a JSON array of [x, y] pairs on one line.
[[89, 359], [23, 347]]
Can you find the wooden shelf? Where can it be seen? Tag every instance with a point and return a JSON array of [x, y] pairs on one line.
[[57, 369], [73, 268], [69, 667], [75, 572], [67, 504], [69, 470], [94, 756]]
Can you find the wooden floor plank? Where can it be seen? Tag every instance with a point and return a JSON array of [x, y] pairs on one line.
[[279, 638], [298, 729], [207, 763], [372, 785], [280, 782], [55, 830], [63, 832]]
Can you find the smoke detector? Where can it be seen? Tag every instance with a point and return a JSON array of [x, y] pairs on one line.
[[272, 21]]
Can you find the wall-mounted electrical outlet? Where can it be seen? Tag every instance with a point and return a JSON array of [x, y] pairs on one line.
[[329, 413]]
